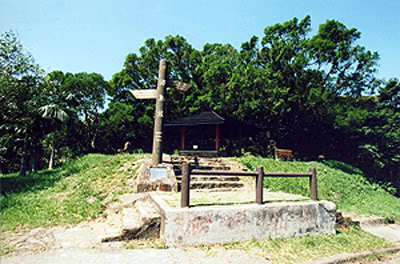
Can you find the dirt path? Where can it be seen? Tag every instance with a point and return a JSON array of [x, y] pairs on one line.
[[82, 244], [123, 256]]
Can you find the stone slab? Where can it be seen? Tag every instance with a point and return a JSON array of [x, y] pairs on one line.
[[130, 219], [219, 224], [390, 232]]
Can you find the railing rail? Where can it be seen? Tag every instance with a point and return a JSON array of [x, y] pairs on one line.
[[260, 174]]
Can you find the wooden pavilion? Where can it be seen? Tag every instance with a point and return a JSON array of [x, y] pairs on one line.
[[199, 133]]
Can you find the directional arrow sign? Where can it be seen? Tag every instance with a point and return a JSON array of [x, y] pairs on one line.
[[159, 95], [145, 94], [180, 86]]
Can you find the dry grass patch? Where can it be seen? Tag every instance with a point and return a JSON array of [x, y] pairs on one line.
[[300, 249]]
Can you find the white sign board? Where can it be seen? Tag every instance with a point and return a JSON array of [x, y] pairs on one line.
[[145, 94], [158, 173]]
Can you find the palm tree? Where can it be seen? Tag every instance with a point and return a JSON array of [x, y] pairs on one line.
[[58, 116]]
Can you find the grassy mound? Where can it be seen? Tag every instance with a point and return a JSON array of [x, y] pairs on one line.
[[80, 190], [75, 192], [337, 182]]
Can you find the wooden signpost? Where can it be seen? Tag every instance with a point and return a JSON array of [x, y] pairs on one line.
[[159, 95]]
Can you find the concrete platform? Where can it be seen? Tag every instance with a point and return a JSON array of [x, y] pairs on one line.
[[233, 218]]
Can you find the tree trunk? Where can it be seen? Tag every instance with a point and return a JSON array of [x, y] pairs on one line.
[[25, 157], [52, 147], [34, 158]]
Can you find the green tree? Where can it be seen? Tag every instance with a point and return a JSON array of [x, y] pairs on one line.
[[140, 71], [81, 96], [20, 94]]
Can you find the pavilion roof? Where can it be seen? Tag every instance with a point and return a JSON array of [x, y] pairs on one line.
[[203, 118]]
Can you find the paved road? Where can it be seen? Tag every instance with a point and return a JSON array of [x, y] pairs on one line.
[[139, 256]]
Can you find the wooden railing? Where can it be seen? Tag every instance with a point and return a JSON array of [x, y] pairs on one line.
[[260, 174]]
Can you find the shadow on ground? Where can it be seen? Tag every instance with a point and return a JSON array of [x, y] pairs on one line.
[[31, 182]]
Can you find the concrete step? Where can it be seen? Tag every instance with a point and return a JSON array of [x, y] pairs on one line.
[[214, 167], [208, 182], [215, 184], [178, 169], [211, 178], [217, 190]]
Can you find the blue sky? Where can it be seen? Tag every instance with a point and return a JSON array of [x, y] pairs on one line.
[[96, 36]]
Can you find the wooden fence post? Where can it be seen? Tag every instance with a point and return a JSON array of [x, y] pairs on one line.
[[313, 184], [185, 190], [259, 185]]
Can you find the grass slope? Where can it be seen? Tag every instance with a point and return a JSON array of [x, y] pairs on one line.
[[338, 182], [75, 192]]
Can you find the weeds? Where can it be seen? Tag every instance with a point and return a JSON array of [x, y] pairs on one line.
[[300, 249]]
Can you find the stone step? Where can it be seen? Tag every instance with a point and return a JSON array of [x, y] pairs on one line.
[[131, 224], [178, 169], [218, 190], [150, 219], [112, 230], [215, 185], [147, 211], [140, 220], [213, 167], [211, 178]]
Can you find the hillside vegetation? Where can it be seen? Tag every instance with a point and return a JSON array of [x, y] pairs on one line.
[[75, 192], [337, 182], [81, 189]]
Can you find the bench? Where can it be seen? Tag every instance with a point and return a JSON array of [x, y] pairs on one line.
[[285, 154]]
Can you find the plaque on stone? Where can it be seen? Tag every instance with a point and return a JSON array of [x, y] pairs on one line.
[[158, 173]]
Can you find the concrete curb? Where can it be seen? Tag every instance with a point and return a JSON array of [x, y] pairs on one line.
[[353, 256]]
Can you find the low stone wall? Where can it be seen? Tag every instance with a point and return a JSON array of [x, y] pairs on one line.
[[209, 225]]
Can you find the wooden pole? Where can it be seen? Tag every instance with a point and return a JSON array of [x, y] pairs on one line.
[[185, 190], [313, 184], [159, 114], [217, 131], [259, 185], [182, 143]]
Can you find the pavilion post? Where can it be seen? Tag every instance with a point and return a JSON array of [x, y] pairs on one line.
[[182, 143], [217, 133]]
